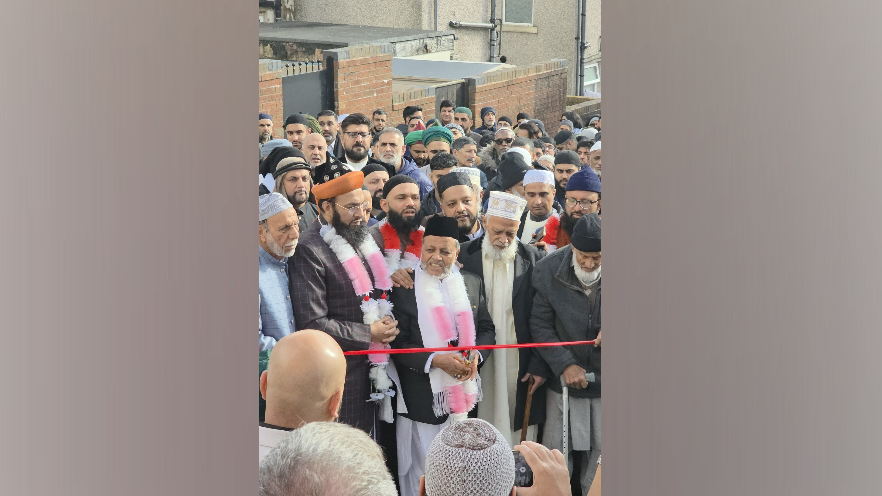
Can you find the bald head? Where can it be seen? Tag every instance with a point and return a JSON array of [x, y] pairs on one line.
[[315, 148], [304, 380]]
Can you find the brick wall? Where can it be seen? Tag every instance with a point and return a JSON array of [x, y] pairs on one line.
[[421, 97], [270, 99], [539, 90], [362, 79]]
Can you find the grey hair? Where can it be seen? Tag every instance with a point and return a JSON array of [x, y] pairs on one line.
[[264, 224], [459, 143], [325, 459], [390, 129]]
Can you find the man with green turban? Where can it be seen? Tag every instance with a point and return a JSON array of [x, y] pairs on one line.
[[416, 150], [463, 117], [437, 139]]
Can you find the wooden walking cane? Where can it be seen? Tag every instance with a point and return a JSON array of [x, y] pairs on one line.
[[527, 409]]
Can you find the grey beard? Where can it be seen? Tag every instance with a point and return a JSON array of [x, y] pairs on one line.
[[443, 275], [394, 161], [586, 278], [503, 255], [278, 250]]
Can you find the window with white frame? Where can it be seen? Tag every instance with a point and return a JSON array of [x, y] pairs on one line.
[[592, 78], [517, 12]]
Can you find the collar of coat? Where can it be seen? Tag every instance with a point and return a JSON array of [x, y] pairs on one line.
[[566, 274]]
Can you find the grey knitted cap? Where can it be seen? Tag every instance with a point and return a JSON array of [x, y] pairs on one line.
[[469, 457], [272, 204]]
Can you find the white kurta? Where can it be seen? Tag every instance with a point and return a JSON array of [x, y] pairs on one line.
[[500, 372], [530, 227], [414, 439]]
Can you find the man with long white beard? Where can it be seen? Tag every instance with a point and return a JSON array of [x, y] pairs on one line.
[[340, 285], [293, 181], [278, 234], [506, 266], [445, 307], [567, 308]]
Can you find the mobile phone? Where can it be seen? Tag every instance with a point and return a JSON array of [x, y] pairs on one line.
[[538, 235], [523, 472]]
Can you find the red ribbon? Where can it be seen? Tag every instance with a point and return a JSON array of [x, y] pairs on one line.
[[465, 348]]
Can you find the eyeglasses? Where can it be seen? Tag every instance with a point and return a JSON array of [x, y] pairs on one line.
[[585, 204], [355, 208], [503, 141], [357, 135]]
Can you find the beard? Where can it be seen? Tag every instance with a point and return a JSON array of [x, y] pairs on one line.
[[420, 162], [355, 236], [299, 197], [357, 153], [518, 194], [585, 277], [279, 251], [401, 223], [465, 230], [505, 253], [375, 200], [446, 272], [567, 222], [394, 161]]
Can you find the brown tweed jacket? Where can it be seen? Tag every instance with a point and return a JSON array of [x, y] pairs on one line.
[[323, 298]]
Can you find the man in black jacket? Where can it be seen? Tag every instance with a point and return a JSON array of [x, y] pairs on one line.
[[444, 307], [506, 268], [567, 308], [327, 120]]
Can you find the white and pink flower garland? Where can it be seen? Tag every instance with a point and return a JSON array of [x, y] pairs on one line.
[[445, 315], [373, 309]]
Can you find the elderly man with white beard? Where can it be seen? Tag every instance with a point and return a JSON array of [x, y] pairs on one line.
[[445, 306], [278, 234], [567, 308], [506, 266]]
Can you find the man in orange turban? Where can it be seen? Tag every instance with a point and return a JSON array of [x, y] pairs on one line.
[[339, 281]]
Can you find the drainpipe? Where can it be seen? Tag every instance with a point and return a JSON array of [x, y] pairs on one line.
[[436, 15], [581, 48], [480, 25], [492, 26], [494, 35]]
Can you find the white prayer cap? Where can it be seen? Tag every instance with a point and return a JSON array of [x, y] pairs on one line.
[[539, 176], [527, 157], [588, 132], [595, 147], [474, 174], [272, 204], [505, 205], [469, 457]]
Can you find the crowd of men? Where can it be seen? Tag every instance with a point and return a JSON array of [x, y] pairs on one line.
[[454, 231]]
